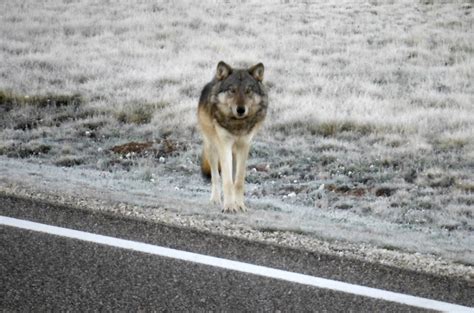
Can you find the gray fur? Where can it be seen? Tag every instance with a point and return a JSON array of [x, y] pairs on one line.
[[240, 80]]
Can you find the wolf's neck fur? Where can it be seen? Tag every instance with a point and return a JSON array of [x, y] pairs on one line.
[[239, 127]]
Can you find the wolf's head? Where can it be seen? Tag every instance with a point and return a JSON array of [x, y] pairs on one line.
[[239, 93]]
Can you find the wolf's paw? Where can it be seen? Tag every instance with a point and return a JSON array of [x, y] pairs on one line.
[[216, 201], [234, 207], [230, 208], [241, 206]]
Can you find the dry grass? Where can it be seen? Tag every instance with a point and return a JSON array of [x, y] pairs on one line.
[[405, 64]]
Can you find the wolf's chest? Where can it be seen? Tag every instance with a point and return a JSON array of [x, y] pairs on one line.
[[239, 127]]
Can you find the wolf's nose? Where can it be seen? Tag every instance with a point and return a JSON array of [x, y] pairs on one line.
[[240, 111]]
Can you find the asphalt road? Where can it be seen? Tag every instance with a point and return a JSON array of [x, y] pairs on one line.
[[43, 272]]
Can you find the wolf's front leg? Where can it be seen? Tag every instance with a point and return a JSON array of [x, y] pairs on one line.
[[241, 154], [215, 177], [225, 158]]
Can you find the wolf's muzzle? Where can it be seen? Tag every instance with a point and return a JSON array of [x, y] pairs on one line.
[[241, 111]]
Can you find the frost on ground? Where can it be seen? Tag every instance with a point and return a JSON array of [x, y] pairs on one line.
[[182, 200], [369, 138]]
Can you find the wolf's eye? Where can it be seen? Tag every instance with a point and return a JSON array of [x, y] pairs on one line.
[[231, 90], [248, 90]]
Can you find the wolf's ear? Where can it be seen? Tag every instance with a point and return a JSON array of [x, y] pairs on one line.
[[257, 71], [223, 70]]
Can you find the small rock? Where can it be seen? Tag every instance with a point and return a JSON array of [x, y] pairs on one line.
[[292, 195], [264, 167], [410, 176], [161, 160], [343, 206]]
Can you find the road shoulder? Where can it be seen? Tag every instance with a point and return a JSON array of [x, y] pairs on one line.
[[316, 263]]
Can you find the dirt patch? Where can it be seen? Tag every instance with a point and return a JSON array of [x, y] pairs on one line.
[[163, 148], [384, 191], [358, 192], [133, 147], [344, 189]]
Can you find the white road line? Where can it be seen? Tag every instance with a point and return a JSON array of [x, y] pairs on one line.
[[238, 266]]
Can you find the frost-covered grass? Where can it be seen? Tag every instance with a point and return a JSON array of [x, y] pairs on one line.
[[396, 65], [373, 100]]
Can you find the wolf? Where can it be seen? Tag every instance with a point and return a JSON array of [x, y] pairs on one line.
[[232, 108]]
